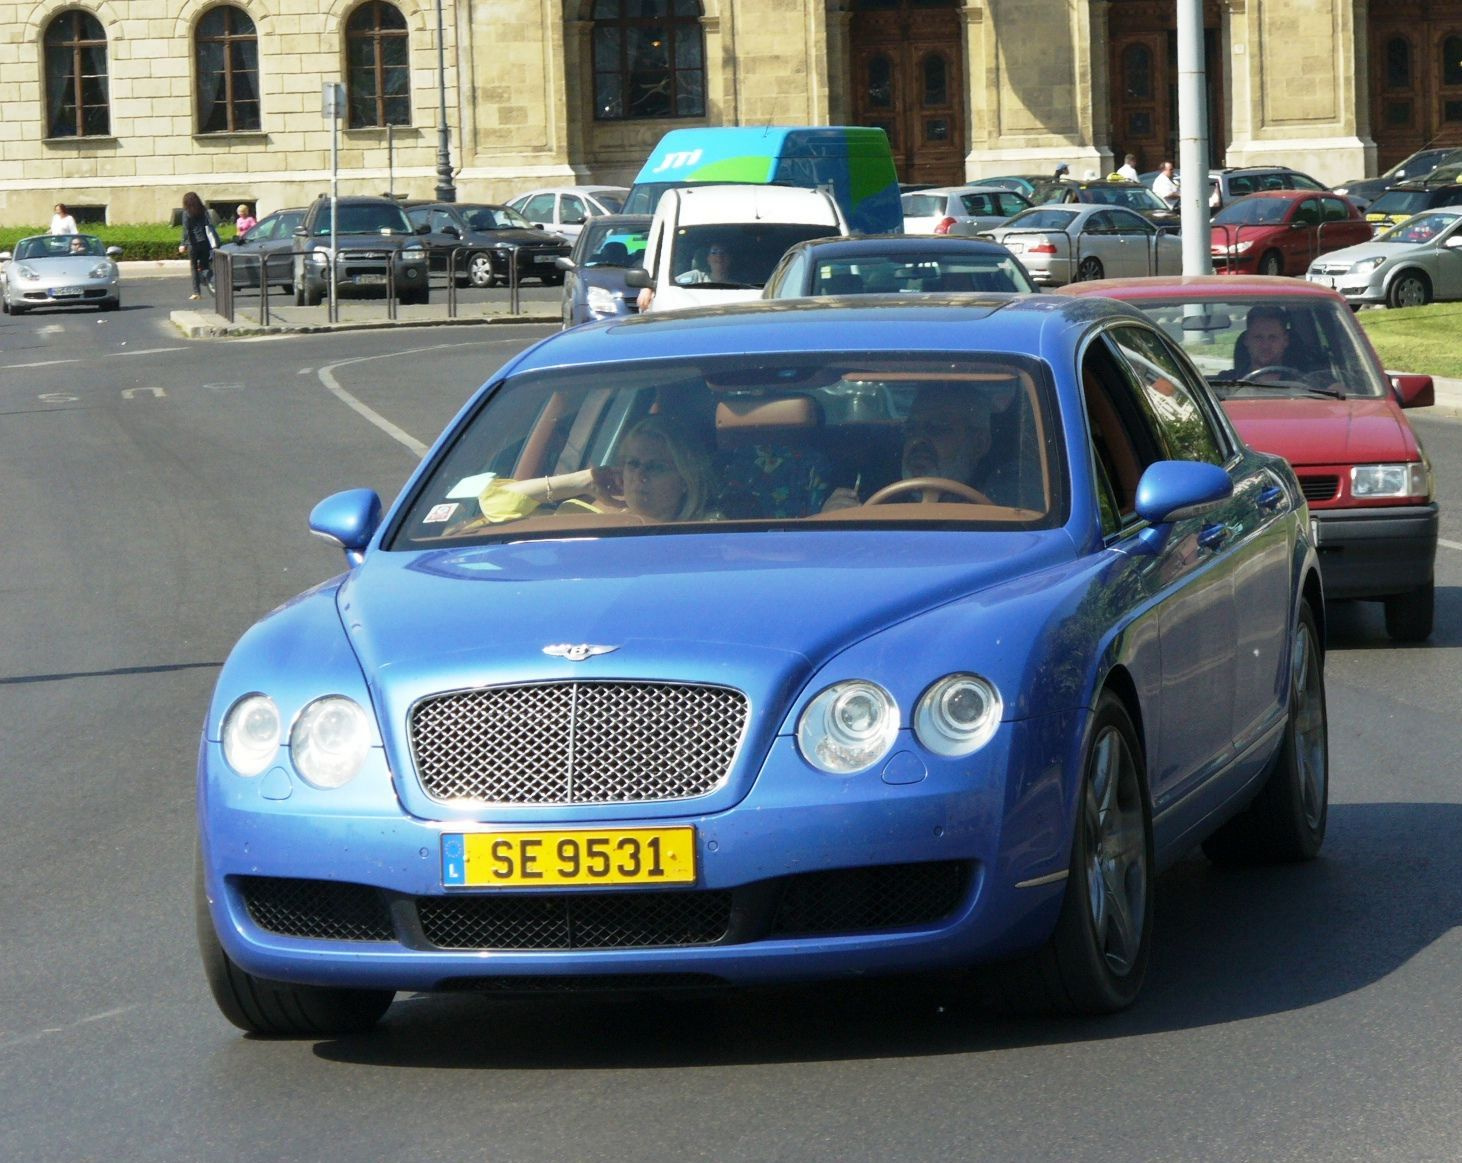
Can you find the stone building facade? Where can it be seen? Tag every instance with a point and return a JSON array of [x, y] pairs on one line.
[[119, 106]]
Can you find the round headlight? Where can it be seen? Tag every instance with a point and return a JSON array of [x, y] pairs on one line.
[[957, 715], [330, 741], [848, 727], [251, 734]]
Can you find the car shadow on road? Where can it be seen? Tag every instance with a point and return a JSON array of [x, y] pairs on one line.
[[1229, 945]]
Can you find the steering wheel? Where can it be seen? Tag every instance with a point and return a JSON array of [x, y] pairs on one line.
[[1281, 371], [959, 489]]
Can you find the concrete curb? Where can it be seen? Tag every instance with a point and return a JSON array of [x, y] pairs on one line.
[[208, 325]]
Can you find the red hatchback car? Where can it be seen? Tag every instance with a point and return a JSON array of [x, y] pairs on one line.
[[1298, 377], [1280, 232]]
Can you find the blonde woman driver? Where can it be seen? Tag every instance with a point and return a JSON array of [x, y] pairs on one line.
[[660, 475]]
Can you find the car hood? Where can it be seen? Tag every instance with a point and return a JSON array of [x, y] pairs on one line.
[[1325, 432], [517, 236], [63, 267], [1364, 250], [756, 611]]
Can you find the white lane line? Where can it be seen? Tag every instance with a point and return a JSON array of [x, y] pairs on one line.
[[1449, 544], [333, 386]]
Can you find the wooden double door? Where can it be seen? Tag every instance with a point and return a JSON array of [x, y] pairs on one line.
[[909, 80], [1416, 76]]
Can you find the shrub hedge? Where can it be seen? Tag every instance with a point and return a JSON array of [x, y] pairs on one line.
[[138, 240]]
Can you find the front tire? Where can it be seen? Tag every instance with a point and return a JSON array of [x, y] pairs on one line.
[[1286, 821], [1272, 263], [259, 1006], [1096, 959], [1409, 617], [1409, 289], [479, 269]]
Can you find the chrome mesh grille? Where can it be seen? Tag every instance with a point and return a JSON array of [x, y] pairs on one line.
[[577, 742]]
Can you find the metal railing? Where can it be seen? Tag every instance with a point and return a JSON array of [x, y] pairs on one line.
[[1077, 252]]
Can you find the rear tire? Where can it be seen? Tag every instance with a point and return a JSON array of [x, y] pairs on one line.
[[1409, 617], [1409, 289], [1096, 959], [1286, 821], [1090, 268], [259, 1006]]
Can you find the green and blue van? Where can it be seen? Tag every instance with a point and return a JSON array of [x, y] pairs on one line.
[[851, 162]]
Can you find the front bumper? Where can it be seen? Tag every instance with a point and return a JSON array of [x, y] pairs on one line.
[[809, 876], [1372, 553]]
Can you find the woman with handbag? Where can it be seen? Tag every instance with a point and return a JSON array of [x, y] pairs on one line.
[[199, 241]]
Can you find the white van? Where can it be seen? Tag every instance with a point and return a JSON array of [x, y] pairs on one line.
[[718, 244]]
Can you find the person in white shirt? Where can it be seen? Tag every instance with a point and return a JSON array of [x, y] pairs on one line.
[[61, 220], [1165, 186], [1128, 168]]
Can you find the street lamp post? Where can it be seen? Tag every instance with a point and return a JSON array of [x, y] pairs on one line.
[[446, 189]]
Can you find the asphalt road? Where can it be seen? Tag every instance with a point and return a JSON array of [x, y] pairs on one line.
[[156, 492]]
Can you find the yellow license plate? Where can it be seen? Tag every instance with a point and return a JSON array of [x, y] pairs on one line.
[[607, 856]]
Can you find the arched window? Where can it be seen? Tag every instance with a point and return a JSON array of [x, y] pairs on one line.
[[1398, 63], [76, 77], [1137, 71], [377, 73], [649, 59], [226, 53], [1452, 60]]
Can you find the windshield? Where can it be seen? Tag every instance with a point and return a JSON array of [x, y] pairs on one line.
[[60, 246], [613, 246], [494, 218], [364, 219], [908, 272], [1042, 218], [1274, 345], [611, 200], [1254, 212], [1134, 198], [1421, 228], [750, 250], [1399, 202], [737, 442]]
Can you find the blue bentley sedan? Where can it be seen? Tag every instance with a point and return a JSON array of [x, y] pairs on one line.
[[768, 643]]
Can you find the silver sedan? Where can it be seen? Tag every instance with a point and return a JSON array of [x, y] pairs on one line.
[[1072, 243], [1409, 265], [60, 270]]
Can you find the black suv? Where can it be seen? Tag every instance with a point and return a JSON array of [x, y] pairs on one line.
[[376, 242]]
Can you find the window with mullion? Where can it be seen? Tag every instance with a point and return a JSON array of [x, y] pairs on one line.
[[77, 100], [226, 71], [649, 59], [378, 74]]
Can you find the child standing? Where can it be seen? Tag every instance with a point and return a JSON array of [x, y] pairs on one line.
[[244, 223]]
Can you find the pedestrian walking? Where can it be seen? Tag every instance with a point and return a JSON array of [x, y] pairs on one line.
[[198, 243]]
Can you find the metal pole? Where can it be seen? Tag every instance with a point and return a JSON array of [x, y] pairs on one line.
[[446, 190], [1193, 140], [334, 206]]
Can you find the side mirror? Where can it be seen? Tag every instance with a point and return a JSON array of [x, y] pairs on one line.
[[638, 277], [451, 232], [564, 263], [1413, 391], [349, 520], [112, 252], [1455, 242], [1174, 489], [422, 228]]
